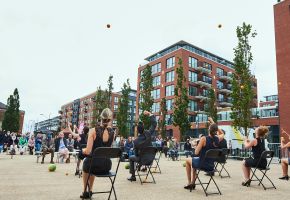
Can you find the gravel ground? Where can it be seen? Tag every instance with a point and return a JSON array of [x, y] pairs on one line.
[[22, 178]]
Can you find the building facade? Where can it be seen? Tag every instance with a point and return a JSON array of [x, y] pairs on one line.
[[52, 124], [202, 70], [82, 110], [2, 113], [282, 35]]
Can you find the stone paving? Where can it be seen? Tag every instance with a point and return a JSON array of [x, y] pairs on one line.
[[22, 178]]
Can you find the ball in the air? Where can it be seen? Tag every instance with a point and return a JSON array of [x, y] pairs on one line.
[[220, 26], [127, 166], [108, 25], [51, 167]]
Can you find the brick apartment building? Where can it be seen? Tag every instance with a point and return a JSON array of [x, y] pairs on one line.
[[282, 35], [202, 69], [81, 110], [2, 112]]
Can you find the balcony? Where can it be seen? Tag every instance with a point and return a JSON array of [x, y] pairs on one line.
[[226, 90], [85, 110], [225, 76], [201, 68], [225, 103], [60, 112], [201, 96], [86, 103], [204, 83]]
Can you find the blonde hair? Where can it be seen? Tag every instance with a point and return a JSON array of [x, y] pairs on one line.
[[106, 114], [263, 131]]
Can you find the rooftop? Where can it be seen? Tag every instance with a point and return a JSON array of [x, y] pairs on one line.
[[192, 48]]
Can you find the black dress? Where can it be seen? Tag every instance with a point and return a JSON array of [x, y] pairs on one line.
[[100, 165], [257, 152]]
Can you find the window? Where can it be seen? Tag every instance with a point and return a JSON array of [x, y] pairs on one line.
[[219, 72], [169, 76], [116, 99], [169, 90], [156, 68], [192, 105], [204, 92], [168, 119], [192, 91], [192, 62], [170, 62], [115, 107], [191, 118], [220, 85], [221, 97], [207, 79], [156, 81], [156, 107], [207, 65], [169, 104], [155, 94], [192, 77]]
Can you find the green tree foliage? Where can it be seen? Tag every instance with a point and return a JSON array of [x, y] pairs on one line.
[[162, 114], [242, 95], [180, 114], [100, 102], [211, 106], [109, 91], [123, 108], [11, 121], [146, 87]]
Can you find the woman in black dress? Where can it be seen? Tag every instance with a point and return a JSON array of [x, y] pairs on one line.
[[100, 136], [258, 147]]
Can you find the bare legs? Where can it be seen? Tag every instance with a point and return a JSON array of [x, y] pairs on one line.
[[246, 171], [91, 181], [190, 172], [284, 164]]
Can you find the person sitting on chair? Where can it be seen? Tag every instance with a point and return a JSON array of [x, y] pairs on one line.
[[61, 147], [258, 147], [101, 136], [23, 144], [187, 148], [31, 143], [206, 143], [142, 141], [47, 147], [285, 161]]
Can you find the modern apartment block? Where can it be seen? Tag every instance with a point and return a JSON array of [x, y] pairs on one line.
[[52, 124], [81, 110], [282, 35], [202, 70]]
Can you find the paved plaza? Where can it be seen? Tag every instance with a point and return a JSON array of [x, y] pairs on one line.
[[22, 178]]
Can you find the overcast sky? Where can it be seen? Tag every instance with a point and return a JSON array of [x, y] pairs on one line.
[[57, 51]]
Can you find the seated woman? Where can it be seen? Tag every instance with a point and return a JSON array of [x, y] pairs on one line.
[[101, 136], [206, 143], [258, 147], [286, 160]]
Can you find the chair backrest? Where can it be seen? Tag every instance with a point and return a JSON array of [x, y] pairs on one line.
[[213, 154], [107, 152], [147, 155], [267, 154]]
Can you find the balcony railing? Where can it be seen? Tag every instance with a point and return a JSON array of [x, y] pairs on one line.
[[201, 96], [204, 82], [225, 76], [225, 89], [202, 68], [225, 102]]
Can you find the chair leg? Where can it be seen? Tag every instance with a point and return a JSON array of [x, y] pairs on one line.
[[151, 175], [112, 188], [216, 186]]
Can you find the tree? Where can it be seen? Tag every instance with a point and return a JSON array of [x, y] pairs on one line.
[[211, 107], [162, 116], [11, 121], [109, 91], [180, 113], [122, 115], [242, 95], [146, 88], [100, 103]]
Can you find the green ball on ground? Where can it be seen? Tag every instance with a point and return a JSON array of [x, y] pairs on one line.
[[51, 167], [127, 166]]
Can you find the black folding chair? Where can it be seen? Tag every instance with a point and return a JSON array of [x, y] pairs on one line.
[[105, 152], [265, 155], [222, 162], [214, 154], [147, 156], [156, 166]]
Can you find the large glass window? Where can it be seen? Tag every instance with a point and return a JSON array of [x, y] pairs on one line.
[[156, 81], [221, 97], [192, 91], [155, 94], [115, 107], [170, 76], [116, 99], [219, 72], [156, 107], [192, 77], [170, 62], [169, 90], [169, 104], [207, 79], [192, 62], [156, 68], [191, 118], [168, 119], [207, 66], [220, 85], [192, 105]]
